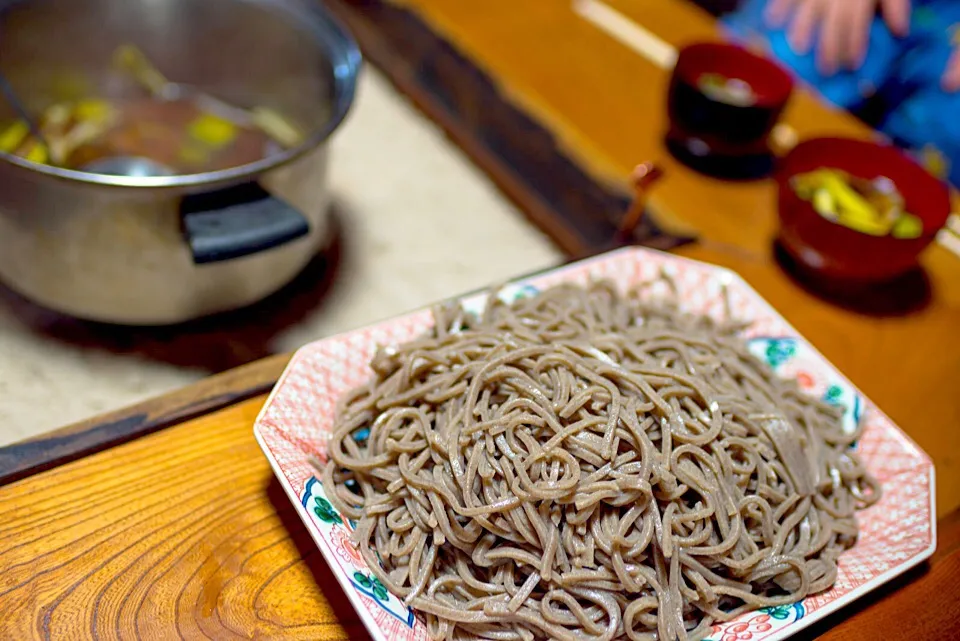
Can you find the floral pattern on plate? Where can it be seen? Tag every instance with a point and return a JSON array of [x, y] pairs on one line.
[[338, 531], [758, 625], [793, 358]]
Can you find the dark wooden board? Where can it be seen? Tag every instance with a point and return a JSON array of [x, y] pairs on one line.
[[107, 430], [580, 212]]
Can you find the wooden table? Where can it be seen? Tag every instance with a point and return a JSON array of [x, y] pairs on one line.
[[164, 520]]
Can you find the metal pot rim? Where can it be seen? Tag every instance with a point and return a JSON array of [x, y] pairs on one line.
[[345, 60]]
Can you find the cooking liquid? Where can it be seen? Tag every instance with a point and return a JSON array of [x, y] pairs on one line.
[[177, 134]]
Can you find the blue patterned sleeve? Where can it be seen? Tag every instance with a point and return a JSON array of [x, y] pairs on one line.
[[847, 89]]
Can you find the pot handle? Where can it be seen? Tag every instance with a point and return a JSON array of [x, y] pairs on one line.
[[238, 221]]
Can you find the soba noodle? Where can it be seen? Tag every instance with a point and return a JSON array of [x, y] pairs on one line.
[[585, 465]]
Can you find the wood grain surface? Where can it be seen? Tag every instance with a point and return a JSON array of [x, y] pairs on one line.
[[185, 534], [181, 534]]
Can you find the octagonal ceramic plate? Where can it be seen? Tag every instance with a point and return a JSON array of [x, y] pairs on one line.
[[896, 533]]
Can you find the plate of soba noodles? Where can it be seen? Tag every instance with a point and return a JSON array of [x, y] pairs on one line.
[[631, 447]]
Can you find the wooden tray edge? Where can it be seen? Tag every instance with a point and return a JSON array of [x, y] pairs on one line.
[[103, 431]]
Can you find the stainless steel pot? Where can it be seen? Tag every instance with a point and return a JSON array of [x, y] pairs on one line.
[[163, 249]]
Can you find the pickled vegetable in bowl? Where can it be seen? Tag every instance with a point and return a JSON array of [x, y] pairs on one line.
[[875, 207], [856, 211]]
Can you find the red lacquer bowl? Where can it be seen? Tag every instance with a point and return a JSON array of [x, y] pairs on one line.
[[723, 124], [835, 251]]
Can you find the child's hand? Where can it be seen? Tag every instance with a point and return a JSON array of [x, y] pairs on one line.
[[950, 80], [844, 27]]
